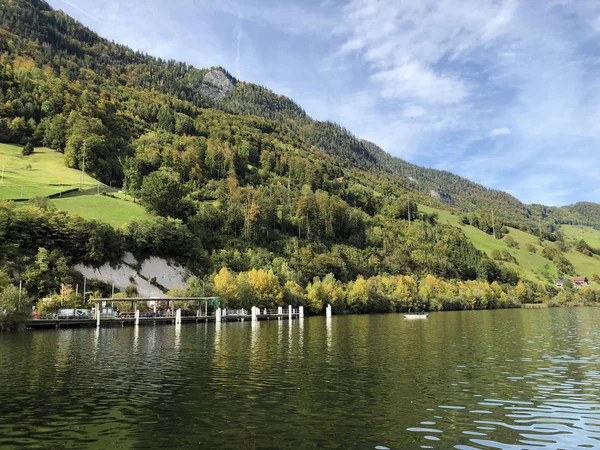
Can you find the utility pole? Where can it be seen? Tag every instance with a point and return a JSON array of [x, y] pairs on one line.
[[409, 210], [83, 166], [84, 287], [493, 225]]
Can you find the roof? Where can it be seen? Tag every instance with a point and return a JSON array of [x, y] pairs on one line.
[[561, 281], [580, 279]]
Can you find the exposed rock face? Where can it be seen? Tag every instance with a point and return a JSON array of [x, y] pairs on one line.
[[165, 272], [215, 84]]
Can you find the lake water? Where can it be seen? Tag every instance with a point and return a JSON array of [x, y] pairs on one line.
[[476, 379]]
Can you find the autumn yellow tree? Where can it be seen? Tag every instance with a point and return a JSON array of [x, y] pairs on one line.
[[358, 294], [406, 291], [226, 286], [266, 287]]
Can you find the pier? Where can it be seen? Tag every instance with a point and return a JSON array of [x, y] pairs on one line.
[[102, 318]]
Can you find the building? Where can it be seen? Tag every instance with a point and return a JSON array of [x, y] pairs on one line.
[[560, 283], [579, 282]]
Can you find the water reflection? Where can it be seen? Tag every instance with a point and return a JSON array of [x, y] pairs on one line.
[[498, 379], [136, 339], [177, 337], [328, 326]]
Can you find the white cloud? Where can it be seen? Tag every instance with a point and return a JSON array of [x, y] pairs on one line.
[[500, 132], [415, 81], [448, 71]]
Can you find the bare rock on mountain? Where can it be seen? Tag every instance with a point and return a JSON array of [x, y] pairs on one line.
[[215, 84]]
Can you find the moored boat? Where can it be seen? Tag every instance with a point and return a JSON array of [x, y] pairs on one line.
[[415, 316]]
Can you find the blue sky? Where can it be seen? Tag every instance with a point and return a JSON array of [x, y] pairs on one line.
[[505, 93]]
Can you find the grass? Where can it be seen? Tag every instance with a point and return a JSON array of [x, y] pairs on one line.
[[38, 175], [588, 234], [530, 266], [111, 210], [584, 265]]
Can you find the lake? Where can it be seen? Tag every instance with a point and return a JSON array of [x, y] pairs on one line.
[[474, 379]]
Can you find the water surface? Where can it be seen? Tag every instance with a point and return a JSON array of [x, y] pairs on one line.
[[479, 379]]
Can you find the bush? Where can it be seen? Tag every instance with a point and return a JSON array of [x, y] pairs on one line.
[[15, 308], [28, 149]]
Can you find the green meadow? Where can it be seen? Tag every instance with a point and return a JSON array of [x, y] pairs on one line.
[[111, 210], [531, 265], [588, 234], [38, 175]]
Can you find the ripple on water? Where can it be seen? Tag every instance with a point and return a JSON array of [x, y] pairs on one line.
[[488, 379]]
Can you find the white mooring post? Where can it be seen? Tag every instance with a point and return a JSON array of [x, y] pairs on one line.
[[224, 312], [301, 312], [280, 310], [218, 315], [178, 317], [98, 314], [137, 316], [290, 312], [328, 311], [265, 311], [254, 313]]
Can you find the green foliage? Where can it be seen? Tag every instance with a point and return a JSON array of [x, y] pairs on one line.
[[15, 308], [511, 241], [28, 149], [162, 193], [277, 206]]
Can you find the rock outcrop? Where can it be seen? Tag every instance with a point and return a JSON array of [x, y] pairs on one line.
[[215, 84], [160, 271]]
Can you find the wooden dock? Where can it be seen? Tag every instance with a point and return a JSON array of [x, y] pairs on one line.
[[130, 319]]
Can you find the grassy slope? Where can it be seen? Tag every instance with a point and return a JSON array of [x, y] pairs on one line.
[[584, 265], [531, 266], [106, 209], [588, 234], [41, 174]]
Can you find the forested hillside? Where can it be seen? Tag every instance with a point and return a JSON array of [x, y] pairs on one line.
[[248, 192]]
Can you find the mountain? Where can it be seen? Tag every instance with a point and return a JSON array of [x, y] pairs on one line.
[[239, 179]]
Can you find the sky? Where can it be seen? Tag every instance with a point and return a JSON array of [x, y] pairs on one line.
[[503, 92]]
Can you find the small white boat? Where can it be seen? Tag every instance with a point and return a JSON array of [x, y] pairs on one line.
[[415, 316]]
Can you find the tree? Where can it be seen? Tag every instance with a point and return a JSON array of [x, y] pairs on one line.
[[15, 308], [406, 292], [320, 292], [226, 286], [28, 149], [510, 241], [266, 287], [358, 294], [166, 119], [162, 193], [541, 293], [293, 294]]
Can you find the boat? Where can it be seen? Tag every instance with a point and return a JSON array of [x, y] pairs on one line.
[[415, 316]]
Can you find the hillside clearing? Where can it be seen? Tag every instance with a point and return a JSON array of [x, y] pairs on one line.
[[111, 210], [588, 234], [38, 175]]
